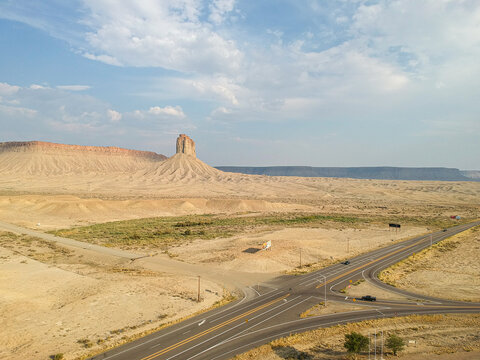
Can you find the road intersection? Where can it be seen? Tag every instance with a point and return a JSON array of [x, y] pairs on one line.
[[247, 323]]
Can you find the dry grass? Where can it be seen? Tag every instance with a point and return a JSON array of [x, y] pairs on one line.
[[57, 287], [226, 299], [435, 334], [162, 232], [449, 265]]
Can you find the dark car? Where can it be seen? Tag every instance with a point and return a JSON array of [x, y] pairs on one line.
[[346, 262], [368, 298], [444, 230]]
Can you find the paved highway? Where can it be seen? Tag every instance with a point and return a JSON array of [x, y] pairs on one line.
[[274, 312]]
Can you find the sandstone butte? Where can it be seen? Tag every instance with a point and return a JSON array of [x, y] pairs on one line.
[[185, 145]]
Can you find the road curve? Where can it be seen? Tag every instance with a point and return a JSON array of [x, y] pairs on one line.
[[248, 323]]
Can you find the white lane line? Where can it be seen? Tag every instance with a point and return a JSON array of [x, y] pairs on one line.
[[201, 322], [281, 334], [249, 329], [251, 287], [253, 302], [145, 342], [180, 328], [174, 331], [369, 267], [358, 261], [229, 329], [296, 331], [271, 317], [396, 291], [235, 306]]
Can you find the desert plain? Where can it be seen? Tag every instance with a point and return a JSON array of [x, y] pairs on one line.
[[186, 219]]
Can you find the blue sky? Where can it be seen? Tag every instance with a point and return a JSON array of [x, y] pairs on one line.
[[273, 82]]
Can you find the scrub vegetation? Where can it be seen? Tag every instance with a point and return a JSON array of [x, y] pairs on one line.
[[162, 232], [432, 334]]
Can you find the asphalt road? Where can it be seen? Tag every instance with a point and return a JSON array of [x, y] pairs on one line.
[[274, 312]]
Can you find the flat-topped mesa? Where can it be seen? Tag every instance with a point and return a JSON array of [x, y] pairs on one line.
[[185, 145], [63, 149]]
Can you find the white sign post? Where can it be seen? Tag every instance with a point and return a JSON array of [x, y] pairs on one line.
[[267, 245]]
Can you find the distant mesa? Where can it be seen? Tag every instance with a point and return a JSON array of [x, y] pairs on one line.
[[185, 145], [40, 158], [381, 172], [45, 158], [54, 148]]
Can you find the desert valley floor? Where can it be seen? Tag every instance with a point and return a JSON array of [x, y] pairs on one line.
[[61, 299]]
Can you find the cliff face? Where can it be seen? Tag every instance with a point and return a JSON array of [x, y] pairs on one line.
[[53, 148], [471, 174], [185, 145], [45, 159], [381, 173]]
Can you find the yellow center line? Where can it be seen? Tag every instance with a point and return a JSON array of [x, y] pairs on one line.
[[371, 262], [205, 332]]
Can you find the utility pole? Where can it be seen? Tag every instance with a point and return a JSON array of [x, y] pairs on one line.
[[198, 293], [325, 284], [369, 345], [381, 356]]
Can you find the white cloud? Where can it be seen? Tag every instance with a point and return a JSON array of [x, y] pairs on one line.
[[218, 10], [159, 33], [114, 116], [38, 87], [381, 61], [167, 110], [73, 87], [221, 110], [17, 111], [421, 36], [6, 89], [67, 116], [107, 59], [222, 87]]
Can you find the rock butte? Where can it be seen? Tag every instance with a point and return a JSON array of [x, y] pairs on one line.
[[43, 159], [185, 145]]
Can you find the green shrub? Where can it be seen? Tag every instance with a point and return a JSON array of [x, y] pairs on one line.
[[395, 343], [355, 342]]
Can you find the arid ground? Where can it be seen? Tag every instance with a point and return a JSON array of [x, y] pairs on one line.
[[58, 299], [439, 337]]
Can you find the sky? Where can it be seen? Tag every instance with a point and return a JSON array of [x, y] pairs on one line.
[[254, 83]]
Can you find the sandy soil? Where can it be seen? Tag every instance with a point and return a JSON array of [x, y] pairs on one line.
[[332, 307], [435, 337], [50, 212], [320, 246], [183, 176], [366, 288], [448, 270], [53, 297]]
